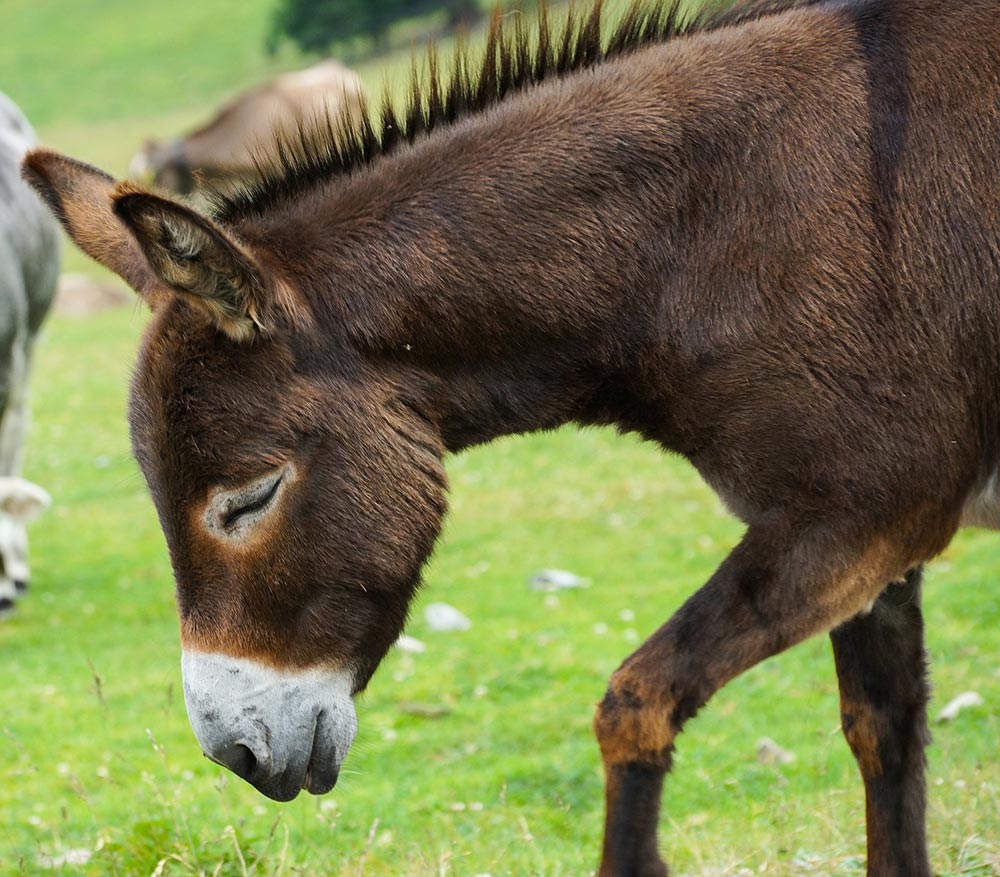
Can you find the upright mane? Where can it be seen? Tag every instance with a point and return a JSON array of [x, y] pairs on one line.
[[513, 61]]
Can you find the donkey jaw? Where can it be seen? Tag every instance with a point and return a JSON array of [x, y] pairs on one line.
[[280, 730]]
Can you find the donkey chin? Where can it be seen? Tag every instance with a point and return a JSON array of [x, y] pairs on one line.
[[282, 731]]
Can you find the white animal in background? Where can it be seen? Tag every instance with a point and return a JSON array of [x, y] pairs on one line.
[[29, 271], [20, 503]]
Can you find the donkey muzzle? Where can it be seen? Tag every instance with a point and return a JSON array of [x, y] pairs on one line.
[[280, 730]]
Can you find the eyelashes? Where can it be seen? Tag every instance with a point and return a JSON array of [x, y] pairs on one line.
[[252, 505], [234, 513]]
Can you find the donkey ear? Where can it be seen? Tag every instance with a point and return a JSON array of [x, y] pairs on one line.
[[81, 197], [192, 255], [155, 244]]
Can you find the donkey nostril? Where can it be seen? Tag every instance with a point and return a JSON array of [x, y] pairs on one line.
[[240, 760], [247, 761]]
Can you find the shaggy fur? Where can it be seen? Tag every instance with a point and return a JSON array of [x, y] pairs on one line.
[[766, 240], [514, 59]]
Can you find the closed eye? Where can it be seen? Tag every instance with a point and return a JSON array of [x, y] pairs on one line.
[[252, 504], [232, 513]]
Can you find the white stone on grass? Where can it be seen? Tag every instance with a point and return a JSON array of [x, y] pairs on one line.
[[78, 856], [556, 580], [769, 752], [441, 618], [965, 700], [410, 644]]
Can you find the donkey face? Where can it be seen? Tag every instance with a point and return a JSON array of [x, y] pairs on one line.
[[295, 488], [163, 164]]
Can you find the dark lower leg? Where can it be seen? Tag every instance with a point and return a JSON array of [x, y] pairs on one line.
[[883, 691], [632, 811], [767, 596]]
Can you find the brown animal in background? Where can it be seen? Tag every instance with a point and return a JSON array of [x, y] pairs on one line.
[[768, 240], [222, 153]]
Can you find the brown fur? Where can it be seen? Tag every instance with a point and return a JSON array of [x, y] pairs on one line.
[[862, 735], [767, 240], [81, 196], [630, 725]]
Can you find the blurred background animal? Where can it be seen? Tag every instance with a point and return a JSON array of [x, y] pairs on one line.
[[20, 503], [221, 153], [29, 271]]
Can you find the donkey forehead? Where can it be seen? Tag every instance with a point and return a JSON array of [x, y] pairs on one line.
[[200, 398]]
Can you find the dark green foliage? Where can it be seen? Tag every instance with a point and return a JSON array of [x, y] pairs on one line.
[[315, 25]]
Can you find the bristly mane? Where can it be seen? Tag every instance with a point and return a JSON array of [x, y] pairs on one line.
[[512, 62]]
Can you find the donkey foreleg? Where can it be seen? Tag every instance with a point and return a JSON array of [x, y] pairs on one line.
[[883, 703], [772, 592]]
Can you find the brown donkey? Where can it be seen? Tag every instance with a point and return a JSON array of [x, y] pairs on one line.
[[767, 239]]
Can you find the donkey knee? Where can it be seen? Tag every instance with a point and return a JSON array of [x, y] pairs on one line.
[[634, 724]]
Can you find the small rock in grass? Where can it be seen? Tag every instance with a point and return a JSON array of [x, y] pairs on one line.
[[78, 856], [956, 705], [410, 644], [442, 618], [769, 752], [556, 580], [425, 710]]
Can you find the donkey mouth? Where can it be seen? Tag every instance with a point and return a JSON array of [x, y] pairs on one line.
[[324, 764], [286, 786], [320, 782], [318, 777]]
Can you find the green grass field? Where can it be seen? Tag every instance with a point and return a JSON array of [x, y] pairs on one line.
[[100, 763]]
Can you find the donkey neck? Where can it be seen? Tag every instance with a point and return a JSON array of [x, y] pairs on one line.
[[515, 264]]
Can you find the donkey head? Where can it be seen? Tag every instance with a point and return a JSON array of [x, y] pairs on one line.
[[298, 490], [163, 164]]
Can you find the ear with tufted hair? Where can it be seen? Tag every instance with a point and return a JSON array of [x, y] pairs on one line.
[[156, 245], [195, 257], [81, 198]]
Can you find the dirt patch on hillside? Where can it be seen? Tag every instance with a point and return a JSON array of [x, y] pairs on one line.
[[81, 296]]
